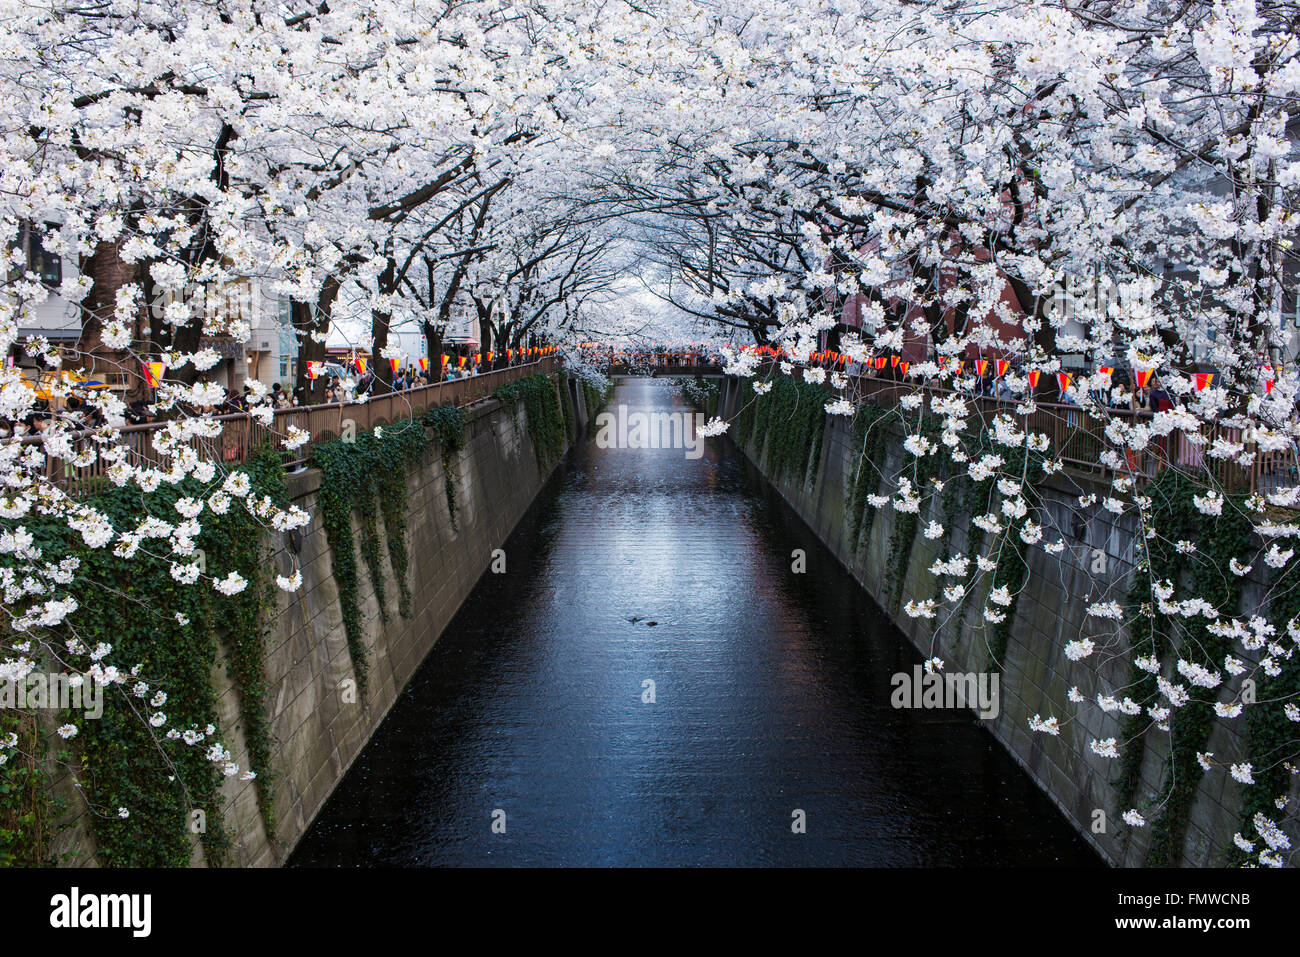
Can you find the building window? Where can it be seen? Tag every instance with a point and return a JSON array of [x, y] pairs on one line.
[[47, 265]]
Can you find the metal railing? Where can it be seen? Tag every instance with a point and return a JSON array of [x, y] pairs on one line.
[[242, 435]]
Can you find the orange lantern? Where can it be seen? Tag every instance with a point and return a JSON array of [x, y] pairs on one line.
[[1033, 378], [1002, 366], [1063, 380], [1203, 380], [153, 373]]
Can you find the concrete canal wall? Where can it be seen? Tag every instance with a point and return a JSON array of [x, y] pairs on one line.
[[1036, 675], [319, 722]]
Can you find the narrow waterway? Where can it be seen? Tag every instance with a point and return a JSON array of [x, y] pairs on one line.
[[771, 696]]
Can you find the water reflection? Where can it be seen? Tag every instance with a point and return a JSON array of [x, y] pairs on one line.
[[771, 695]]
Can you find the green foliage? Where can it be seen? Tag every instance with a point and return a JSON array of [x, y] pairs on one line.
[[28, 809], [566, 407], [1271, 733], [354, 473], [1174, 517], [168, 633], [870, 433], [546, 423], [595, 399], [448, 425], [907, 524], [702, 393], [791, 419], [239, 538]]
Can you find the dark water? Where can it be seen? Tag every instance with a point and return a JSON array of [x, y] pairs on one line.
[[772, 695]]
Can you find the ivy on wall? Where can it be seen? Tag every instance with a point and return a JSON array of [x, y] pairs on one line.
[[870, 435], [448, 425], [354, 474], [570, 416], [1270, 734], [546, 422], [170, 634], [1173, 517], [702, 393], [29, 811], [789, 421], [595, 399]]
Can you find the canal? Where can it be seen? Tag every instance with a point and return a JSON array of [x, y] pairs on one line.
[[771, 696]]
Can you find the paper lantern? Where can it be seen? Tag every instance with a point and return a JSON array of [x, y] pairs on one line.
[[1143, 376], [1033, 378], [153, 373], [424, 364], [396, 364], [981, 365], [1203, 380], [360, 365], [314, 369], [1002, 366], [1063, 380]]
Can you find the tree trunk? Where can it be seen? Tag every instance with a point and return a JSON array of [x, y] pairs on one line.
[[308, 318]]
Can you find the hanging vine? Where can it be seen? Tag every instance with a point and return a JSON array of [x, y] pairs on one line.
[[448, 425], [546, 422], [353, 474], [146, 793], [793, 421], [1174, 517], [870, 435]]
